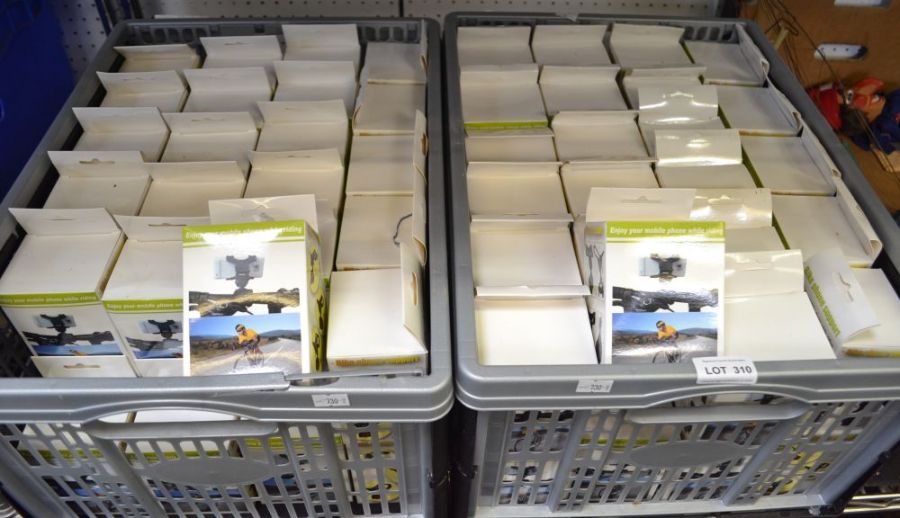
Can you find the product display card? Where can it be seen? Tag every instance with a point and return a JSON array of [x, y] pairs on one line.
[[282, 173], [598, 136], [677, 104], [701, 158], [316, 81], [254, 299], [580, 177], [533, 331], [242, 51], [791, 165], [114, 180], [737, 208], [815, 223], [502, 97], [881, 340], [387, 109], [759, 111], [563, 45], [663, 284], [580, 88], [321, 42], [515, 189], [122, 129], [388, 165], [648, 130], [754, 239], [517, 255], [647, 46], [391, 62], [156, 58], [51, 289], [183, 189], [522, 145], [228, 89], [164, 90], [83, 367], [739, 63], [377, 318], [304, 125], [493, 46], [374, 227], [666, 77], [198, 137], [765, 297]]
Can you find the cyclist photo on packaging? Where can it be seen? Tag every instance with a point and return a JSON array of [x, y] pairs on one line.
[[249, 340]]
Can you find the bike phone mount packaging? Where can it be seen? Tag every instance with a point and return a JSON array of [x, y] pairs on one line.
[[183, 189], [143, 295], [202, 137], [164, 90], [155, 58], [321, 42], [501, 97], [253, 298], [122, 129], [661, 279], [115, 180], [53, 286], [228, 89], [316, 81], [303, 126]]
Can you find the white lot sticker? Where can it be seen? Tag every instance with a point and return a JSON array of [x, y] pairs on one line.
[[735, 371], [594, 386], [329, 400]]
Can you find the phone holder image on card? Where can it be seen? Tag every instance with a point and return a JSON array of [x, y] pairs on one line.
[[166, 329], [60, 324], [663, 268], [637, 301], [241, 271]]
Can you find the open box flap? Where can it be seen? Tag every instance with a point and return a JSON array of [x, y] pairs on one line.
[[295, 73], [321, 42], [65, 222], [678, 104], [390, 62], [530, 292], [755, 58], [303, 112], [411, 274], [837, 296], [626, 204], [512, 169], [153, 228], [759, 110], [521, 223], [296, 161], [569, 37], [257, 47], [130, 83], [752, 274], [480, 45], [98, 164], [120, 120], [644, 46], [274, 208], [224, 80], [676, 148], [166, 52], [210, 123], [585, 120], [578, 75], [819, 155], [737, 208], [498, 75], [420, 143], [420, 217], [197, 172], [857, 220]]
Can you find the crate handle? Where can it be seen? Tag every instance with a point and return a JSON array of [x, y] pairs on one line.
[[188, 430], [722, 413]]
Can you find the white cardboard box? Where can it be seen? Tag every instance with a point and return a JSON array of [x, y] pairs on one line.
[[155, 58], [677, 104], [580, 177], [392, 62], [164, 90], [708, 159], [122, 129], [738, 63], [183, 189], [791, 165], [316, 81], [321, 42], [387, 164], [376, 318], [304, 125], [228, 89], [759, 111], [881, 340], [242, 51], [284, 173], [570, 45], [737, 208], [533, 331], [494, 46], [515, 189], [765, 298], [522, 145], [598, 136], [815, 223], [114, 180], [51, 289], [665, 77], [580, 88], [143, 296], [198, 137], [647, 46], [502, 97], [752, 239], [387, 109]]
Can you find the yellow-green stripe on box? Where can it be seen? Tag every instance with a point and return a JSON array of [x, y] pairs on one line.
[[268, 231], [703, 231], [143, 306], [49, 299]]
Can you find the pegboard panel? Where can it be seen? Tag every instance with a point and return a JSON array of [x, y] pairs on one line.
[[269, 8], [439, 8], [82, 31]]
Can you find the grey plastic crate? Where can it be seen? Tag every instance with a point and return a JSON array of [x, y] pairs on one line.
[[543, 449], [287, 457]]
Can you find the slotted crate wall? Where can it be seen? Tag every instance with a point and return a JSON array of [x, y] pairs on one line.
[[437, 9]]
